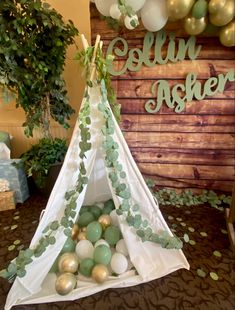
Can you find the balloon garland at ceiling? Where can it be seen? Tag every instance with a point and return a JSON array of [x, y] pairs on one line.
[[198, 16]]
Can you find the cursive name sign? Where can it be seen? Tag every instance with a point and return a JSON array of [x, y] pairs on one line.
[[177, 50]]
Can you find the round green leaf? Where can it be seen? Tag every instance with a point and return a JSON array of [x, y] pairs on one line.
[[217, 254], [201, 273], [214, 276]]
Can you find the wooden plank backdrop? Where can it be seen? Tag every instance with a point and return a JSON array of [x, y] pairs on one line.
[[193, 149]]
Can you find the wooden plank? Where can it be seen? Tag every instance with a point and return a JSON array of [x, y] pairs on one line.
[[184, 156], [203, 68], [179, 123], [142, 88], [213, 106], [180, 140], [181, 184], [196, 172]]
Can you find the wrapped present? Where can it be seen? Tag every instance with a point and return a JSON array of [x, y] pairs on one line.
[[7, 201], [12, 170]]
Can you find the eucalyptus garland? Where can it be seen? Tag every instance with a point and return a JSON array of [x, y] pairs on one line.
[[169, 196], [117, 176], [25, 257]]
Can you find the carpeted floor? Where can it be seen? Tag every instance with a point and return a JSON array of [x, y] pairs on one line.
[[208, 250]]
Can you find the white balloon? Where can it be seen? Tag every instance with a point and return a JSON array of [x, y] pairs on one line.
[[154, 14], [136, 4], [121, 247], [128, 20], [114, 11], [119, 263], [101, 242], [103, 6], [84, 249]]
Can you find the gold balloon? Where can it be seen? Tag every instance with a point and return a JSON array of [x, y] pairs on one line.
[[100, 273], [216, 5], [224, 15], [105, 220], [82, 235], [178, 9], [227, 34], [83, 229], [68, 262], [75, 232], [65, 283], [194, 26]]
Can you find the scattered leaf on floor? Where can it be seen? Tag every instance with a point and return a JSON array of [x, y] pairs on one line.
[[201, 273], [217, 254], [224, 231], [203, 234], [14, 227], [11, 247], [192, 242], [214, 276], [16, 242], [191, 229]]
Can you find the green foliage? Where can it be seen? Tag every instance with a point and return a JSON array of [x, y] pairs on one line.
[[128, 207], [42, 156], [168, 196], [84, 58], [33, 43]]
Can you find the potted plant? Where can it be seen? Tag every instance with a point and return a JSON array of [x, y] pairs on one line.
[[33, 43]]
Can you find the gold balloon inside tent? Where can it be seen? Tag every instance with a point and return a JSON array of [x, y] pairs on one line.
[[68, 262], [216, 5], [83, 229], [65, 283], [75, 232], [82, 235], [227, 34], [105, 220], [194, 26], [225, 15], [100, 273], [178, 9]]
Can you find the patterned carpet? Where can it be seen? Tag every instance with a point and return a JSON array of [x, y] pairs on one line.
[[208, 250]]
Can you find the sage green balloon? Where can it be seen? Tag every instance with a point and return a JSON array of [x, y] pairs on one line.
[[84, 209], [69, 246], [112, 235], [94, 231], [108, 207], [86, 267], [96, 211], [85, 219], [200, 9], [102, 255]]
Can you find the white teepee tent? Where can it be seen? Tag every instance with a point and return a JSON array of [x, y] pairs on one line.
[[150, 259]]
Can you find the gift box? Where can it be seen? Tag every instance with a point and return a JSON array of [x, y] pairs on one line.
[[7, 201], [12, 170]]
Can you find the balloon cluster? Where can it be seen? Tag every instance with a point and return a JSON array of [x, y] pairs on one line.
[[197, 15], [95, 250]]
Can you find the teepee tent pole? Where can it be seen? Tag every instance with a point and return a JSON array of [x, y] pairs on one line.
[[93, 67]]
